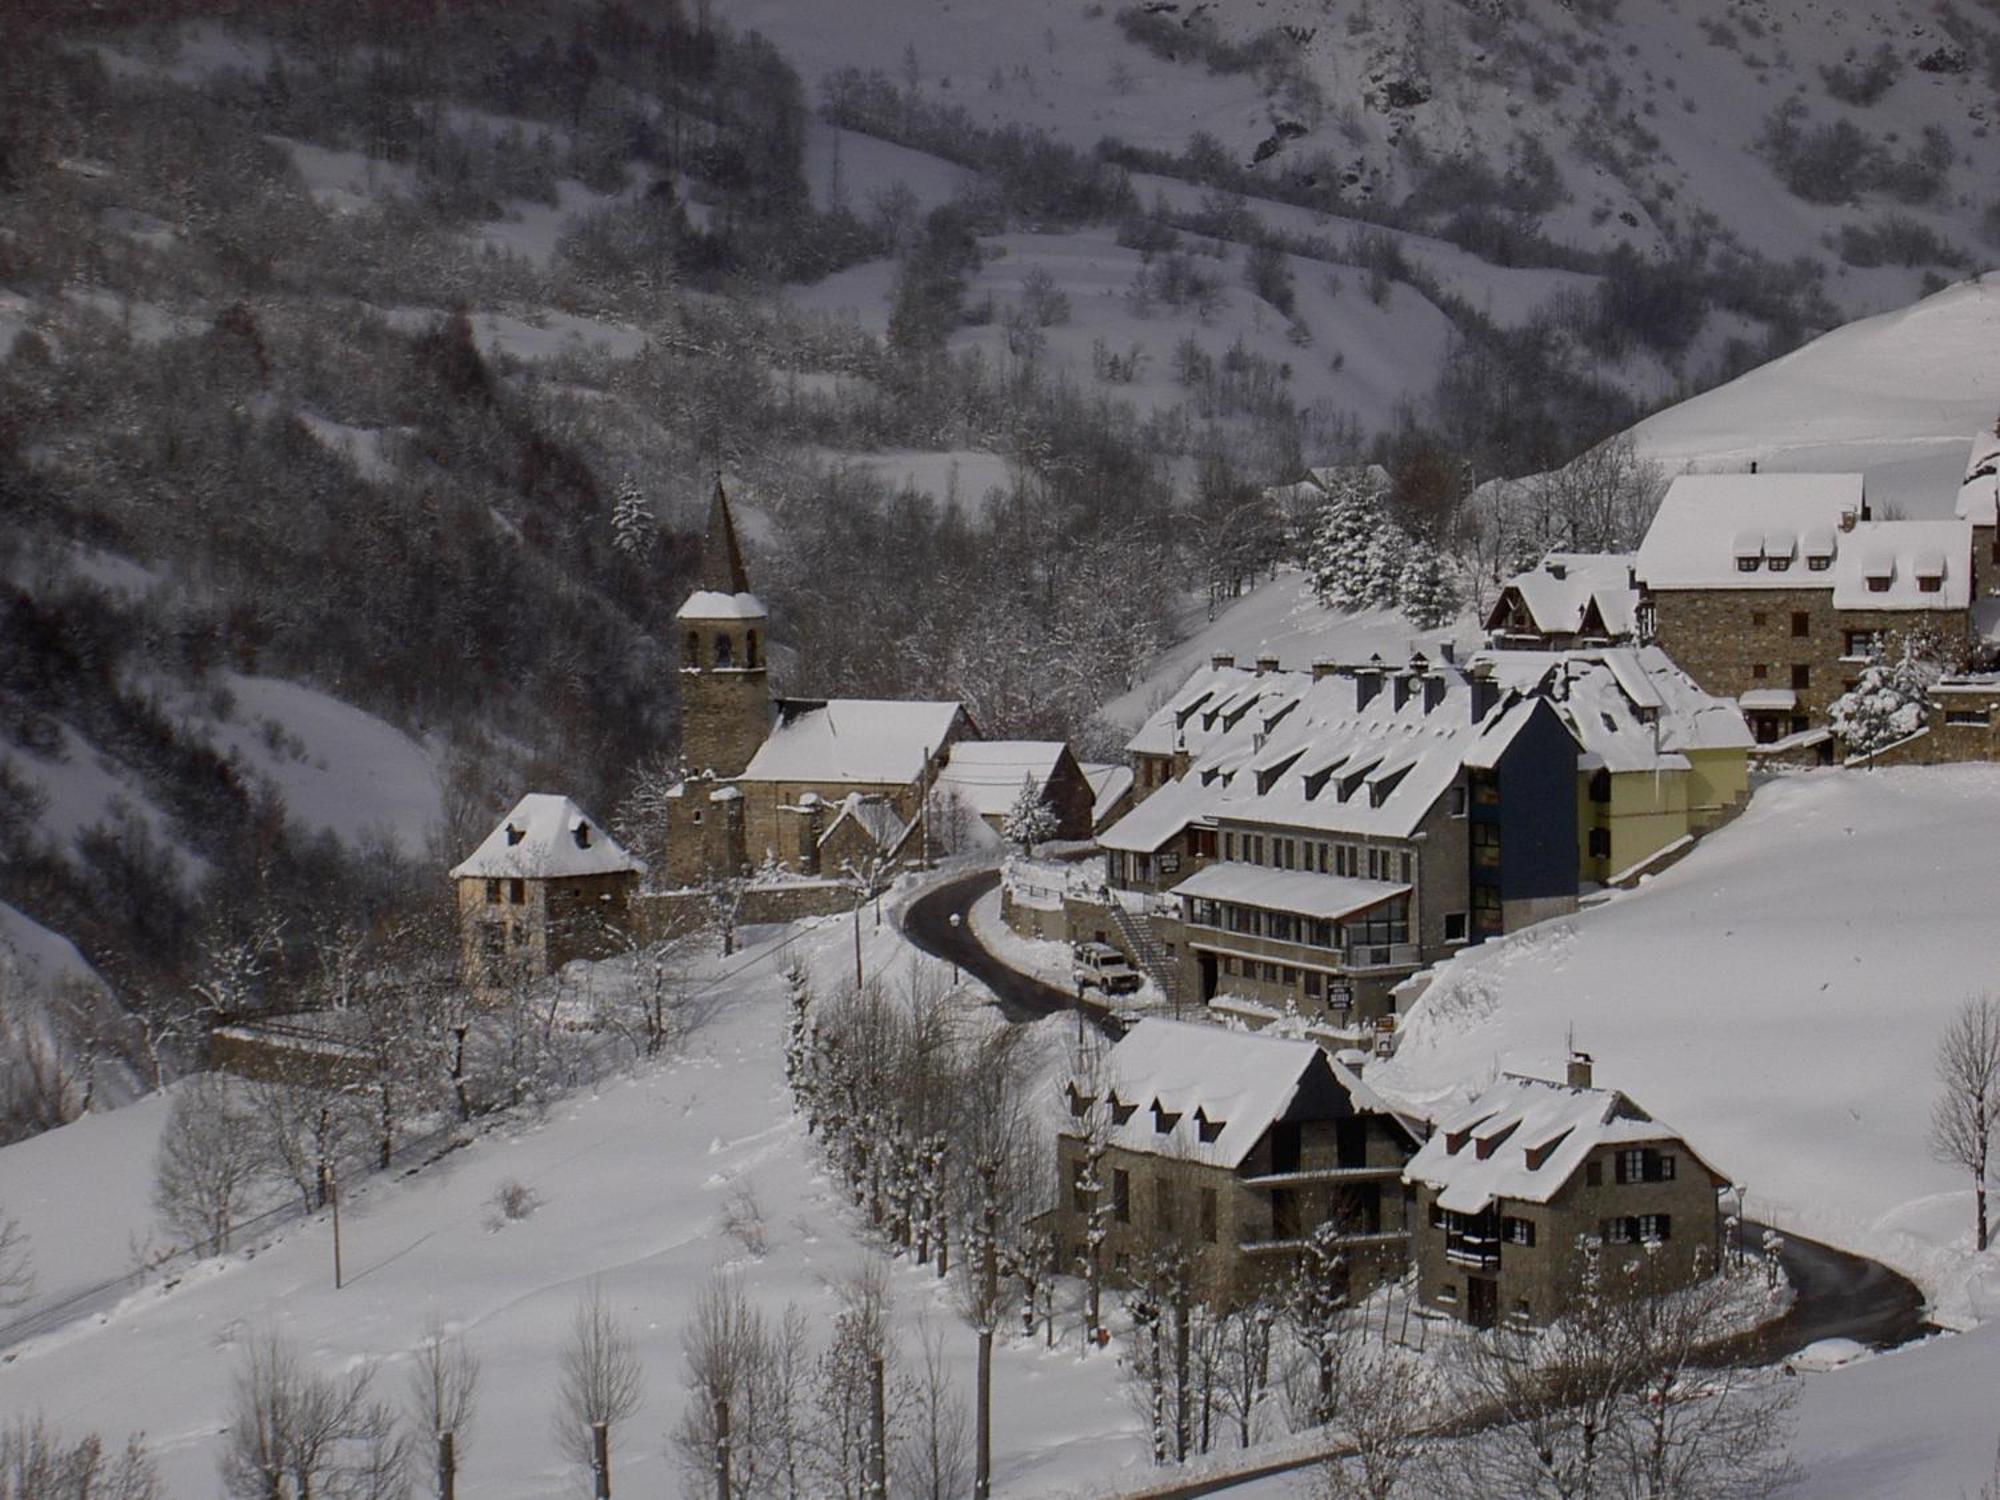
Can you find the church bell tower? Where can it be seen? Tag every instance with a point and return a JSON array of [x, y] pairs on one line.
[[725, 690]]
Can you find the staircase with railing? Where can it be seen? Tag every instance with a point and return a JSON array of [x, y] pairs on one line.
[[1136, 937]]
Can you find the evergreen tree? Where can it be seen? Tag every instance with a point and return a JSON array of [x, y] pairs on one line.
[[1886, 705], [1430, 592], [632, 524], [1030, 820], [1388, 557], [1343, 543]]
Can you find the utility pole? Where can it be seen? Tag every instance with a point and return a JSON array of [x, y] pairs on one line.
[[333, 1197]]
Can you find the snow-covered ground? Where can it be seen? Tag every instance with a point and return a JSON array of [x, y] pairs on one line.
[[632, 1182], [1777, 997], [1896, 397]]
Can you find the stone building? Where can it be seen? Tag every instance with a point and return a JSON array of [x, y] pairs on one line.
[[545, 886], [1323, 835], [1234, 1146], [1573, 599], [1775, 589], [1510, 1189], [767, 779], [986, 777]]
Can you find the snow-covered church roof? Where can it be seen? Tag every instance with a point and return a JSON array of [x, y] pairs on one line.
[[876, 741], [545, 837]]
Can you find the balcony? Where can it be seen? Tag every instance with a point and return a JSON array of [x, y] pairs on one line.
[[1323, 1174], [1361, 958], [1298, 1243], [1478, 1252]]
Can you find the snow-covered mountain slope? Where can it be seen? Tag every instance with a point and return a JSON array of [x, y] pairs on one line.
[[1896, 397], [1778, 997]]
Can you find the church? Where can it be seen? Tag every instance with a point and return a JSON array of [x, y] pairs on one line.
[[803, 785]]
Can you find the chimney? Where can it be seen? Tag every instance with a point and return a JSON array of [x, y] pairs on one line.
[[1556, 569], [1433, 691], [1753, 466], [1223, 659], [1847, 520], [1402, 682], [1580, 1070], [1324, 668], [1266, 664], [1367, 682], [1485, 691]]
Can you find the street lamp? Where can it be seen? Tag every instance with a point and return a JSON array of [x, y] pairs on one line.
[[957, 922]]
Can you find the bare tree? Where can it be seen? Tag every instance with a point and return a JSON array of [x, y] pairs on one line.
[[930, 1451], [601, 1386], [444, 1393], [294, 1435], [859, 1393], [303, 1135], [36, 1463], [1968, 1102], [208, 1159], [725, 1344], [17, 1266], [1382, 1421]]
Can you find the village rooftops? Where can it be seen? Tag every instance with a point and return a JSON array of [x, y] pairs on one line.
[[1523, 1139], [545, 837], [1749, 531], [1200, 1093], [1107, 784], [1328, 898], [1630, 708], [1979, 495], [1159, 819], [1559, 594], [881, 742], [1905, 565], [987, 774]]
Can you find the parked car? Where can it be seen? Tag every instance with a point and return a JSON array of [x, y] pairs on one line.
[[1102, 967]]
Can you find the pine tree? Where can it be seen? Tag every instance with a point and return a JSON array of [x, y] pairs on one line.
[[1343, 544], [632, 524], [1030, 820], [1886, 705], [1388, 557], [1430, 592]]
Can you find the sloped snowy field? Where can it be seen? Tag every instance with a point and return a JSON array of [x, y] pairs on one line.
[[1778, 998], [632, 1183]]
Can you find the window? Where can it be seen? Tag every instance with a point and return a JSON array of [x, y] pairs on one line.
[[1454, 927], [1801, 676], [1485, 789], [1801, 624], [1487, 914], [1878, 585], [1756, 617], [1862, 643], [1979, 716], [1747, 564], [1229, 846], [1121, 1195], [1642, 1164], [493, 892], [1777, 564], [1819, 564], [1759, 671], [1637, 1229], [725, 651], [1457, 802], [1312, 984], [1206, 1215], [1929, 583], [1486, 844], [1655, 1229], [1448, 1291], [1600, 843], [517, 891], [1616, 1231], [1600, 785], [1518, 1231], [1405, 868], [694, 648], [1437, 1215]]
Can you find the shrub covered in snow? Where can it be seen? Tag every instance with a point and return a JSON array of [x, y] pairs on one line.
[[1886, 705]]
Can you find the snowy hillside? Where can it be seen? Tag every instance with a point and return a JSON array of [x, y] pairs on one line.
[[1778, 997]]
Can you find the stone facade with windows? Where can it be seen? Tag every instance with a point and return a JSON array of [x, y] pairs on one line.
[[1511, 1193], [1234, 1147]]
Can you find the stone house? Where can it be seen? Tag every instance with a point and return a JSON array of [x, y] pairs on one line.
[[1110, 790], [986, 776], [547, 885], [1510, 1190], [1234, 1146], [1662, 761], [1573, 599], [1775, 589], [768, 778], [1325, 834]]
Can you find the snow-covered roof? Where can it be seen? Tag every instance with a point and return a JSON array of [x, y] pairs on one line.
[[987, 774], [1906, 554], [1239, 1084], [545, 837], [1767, 700], [1708, 522], [875, 814], [883, 742], [1355, 750], [1979, 496], [1630, 708], [706, 604], [1522, 1140], [1558, 594], [1325, 897], [1108, 783]]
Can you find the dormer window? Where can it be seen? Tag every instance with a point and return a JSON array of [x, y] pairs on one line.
[[581, 833], [1819, 564], [1777, 564], [1929, 583], [515, 835], [1164, 1119], [1120, 1110], [1080, 1102], [1747, 564], [1879, 585], [1209, 1130]]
